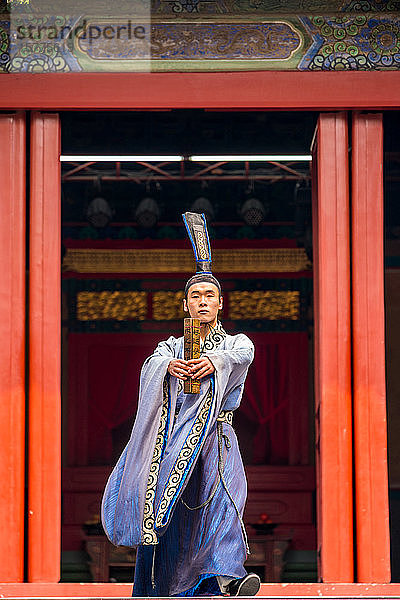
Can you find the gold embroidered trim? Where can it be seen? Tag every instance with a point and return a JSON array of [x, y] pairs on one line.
[[183, 459], [149, 536], [226, 416], [214, 338]]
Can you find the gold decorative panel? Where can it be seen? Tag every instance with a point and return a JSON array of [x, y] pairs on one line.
[[241, 260], [106, 305], [167, 306], [268, 304]]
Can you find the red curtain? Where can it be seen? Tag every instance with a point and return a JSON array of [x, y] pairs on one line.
[[104, 371], [113, 377], [276, 397]]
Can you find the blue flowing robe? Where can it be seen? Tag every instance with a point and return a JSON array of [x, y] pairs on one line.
[[171, 461]]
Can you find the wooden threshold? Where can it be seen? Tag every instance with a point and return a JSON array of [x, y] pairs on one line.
[[268, 590]]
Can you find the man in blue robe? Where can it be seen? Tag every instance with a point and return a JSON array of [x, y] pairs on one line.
[[179, 488]]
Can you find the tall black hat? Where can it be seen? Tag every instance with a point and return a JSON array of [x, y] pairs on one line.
[[196, 227]]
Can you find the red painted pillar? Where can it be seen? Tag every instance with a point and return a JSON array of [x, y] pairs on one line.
[[12, 346], [44, 481], [370, 437], [332, 349]]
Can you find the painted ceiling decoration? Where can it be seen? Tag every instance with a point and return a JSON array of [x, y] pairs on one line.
[[200, 35]]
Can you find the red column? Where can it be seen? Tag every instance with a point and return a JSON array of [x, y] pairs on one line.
[[370, 441], [44, 479], [12, 346], [332, 349]]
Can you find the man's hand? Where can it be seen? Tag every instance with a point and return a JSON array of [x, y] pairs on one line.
[[200, 367], [179, 368]]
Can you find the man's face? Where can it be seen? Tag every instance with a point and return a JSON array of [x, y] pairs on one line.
[[203, 302]]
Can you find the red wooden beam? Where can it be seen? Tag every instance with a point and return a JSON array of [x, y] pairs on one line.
[[370, 438], [332, 350], [268, 590], [240, 90], [44, 478], [12, 346]]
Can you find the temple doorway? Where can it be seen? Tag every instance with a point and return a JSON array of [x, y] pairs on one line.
[[126, 179]]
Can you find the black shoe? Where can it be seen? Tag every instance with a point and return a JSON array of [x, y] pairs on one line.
[[246, 586]]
